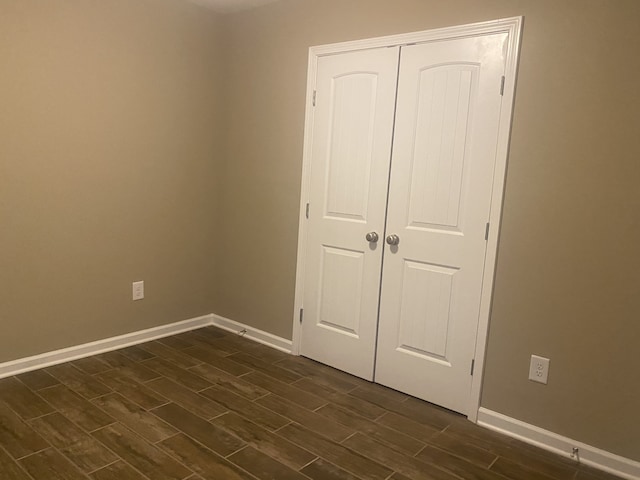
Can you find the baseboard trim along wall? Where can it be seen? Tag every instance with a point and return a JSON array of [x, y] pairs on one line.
[[254, 334], [56, 357], [589, 455]]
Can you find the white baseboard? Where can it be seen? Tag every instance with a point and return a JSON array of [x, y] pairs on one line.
[[592, 456], [48, 359], [254, 334]]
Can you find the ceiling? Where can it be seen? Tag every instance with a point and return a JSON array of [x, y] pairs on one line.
[[230, 6]]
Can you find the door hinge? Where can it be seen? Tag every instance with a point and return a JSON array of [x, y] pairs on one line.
[[473, 364], [486, 232], [307, 212], [301, 314], [314, 97], [501, 86]]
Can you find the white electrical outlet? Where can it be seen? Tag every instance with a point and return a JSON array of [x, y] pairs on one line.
[[138, 290], [539, 369]]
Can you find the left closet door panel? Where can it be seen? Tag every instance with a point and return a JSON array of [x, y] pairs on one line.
[[351, 151]]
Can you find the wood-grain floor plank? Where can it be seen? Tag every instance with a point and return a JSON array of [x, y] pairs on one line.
[[276, 446], [456, 465], [135, 391], [354, 404], [80, 382], [136, 353], [135, 417], [322, 470], [37, 380], [228, 381], [84, 451], [140, 454], [380, 395], [311, 420], [219, 345], [117, 471], [469, 452], [203, 461], [514, 452], [197, 403], [321, 374], [91, 365], [177, 374], [252, 411], [18, 438], [255, 349], [408, 426], [214, 332], [210, 435], [263, 466], [9, 469], [51, 465], [178, 342], [128, 367], [278, 373], [518, 471], [75, 408], [423, 412], [22, 400], [162, 351], [217, 360], [360, 465], [405, 464], [387, 435], [293, 393]]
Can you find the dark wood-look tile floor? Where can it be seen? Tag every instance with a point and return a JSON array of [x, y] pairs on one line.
[[210, 405]]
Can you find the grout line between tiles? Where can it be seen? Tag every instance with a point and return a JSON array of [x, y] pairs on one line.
[[18, 459], [104, 466]]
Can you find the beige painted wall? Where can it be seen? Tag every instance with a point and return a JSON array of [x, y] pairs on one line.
[[109, 152], [568, 277], [114, 116]]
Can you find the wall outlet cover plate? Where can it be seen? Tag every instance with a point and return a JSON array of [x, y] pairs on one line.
[[539, 369], [138, 290]]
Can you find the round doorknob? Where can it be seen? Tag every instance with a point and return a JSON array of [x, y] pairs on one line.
[[393, 239], [372, 237]]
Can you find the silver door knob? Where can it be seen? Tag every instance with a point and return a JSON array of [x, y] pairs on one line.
[[393, 239], [372, 237]]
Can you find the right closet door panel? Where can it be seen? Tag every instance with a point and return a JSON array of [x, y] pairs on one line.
[[444, 150]]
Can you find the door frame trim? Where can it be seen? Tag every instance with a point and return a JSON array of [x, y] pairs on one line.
[[513, 28]]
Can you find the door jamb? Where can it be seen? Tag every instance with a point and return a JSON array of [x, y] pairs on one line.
[[513, 27]]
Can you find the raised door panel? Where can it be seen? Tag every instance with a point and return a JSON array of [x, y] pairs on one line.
[[444, 98], [350, 143], [341, 273], [425, 311]]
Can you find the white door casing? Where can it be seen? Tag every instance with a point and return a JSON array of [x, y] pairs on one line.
[[351, 147], [511, 28], [447, 118]]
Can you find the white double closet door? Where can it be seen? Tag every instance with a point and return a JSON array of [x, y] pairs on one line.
[[403, 151]]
